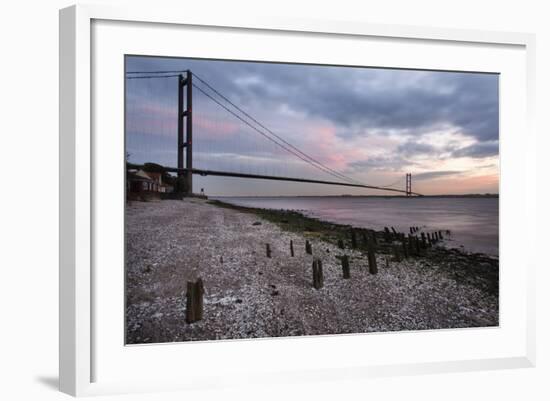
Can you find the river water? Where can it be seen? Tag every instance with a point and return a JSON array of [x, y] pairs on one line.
[[473, 222]]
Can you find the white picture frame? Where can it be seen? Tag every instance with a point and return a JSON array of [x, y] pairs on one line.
[[82, 344]]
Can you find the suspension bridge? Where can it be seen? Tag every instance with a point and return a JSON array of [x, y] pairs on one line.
[[204, 133]]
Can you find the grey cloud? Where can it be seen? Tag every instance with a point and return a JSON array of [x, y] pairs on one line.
[[380, 99], [356, 97], [478, 150], [433, 175], [380, 163], [415, 148]]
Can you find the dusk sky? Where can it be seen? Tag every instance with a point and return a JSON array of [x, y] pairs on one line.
[[371, 124]]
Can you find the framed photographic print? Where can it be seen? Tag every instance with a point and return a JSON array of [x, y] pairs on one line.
[[271, 199]]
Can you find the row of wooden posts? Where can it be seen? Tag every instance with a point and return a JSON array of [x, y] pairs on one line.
[[344, 259], [412, 245], [195, 290], [406, 246]]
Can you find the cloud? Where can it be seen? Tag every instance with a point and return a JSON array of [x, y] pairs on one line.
[[350, 96], [410, 148], [478, 150], [379, 163], [430, 175]]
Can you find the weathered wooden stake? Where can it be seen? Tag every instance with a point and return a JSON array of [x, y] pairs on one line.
[[318, 274], [340, 244], [365, 238], [440, 235], [194, 307], [397, 253], [371, 256], [345, 266], [404, 246], [394, 232], [424, 245], [291, 248], [353, 239], [308, 247], [267, 250], [417, 245], [373, 237], [387, 234], [412, 248]]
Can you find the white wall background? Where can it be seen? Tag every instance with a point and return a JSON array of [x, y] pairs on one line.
[[29, 199]]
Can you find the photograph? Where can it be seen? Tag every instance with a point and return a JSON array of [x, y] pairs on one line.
[[271, 199]]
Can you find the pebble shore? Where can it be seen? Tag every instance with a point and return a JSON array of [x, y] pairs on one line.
[[248, 295]]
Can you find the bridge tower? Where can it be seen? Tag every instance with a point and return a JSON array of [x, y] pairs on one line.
[[185, 125], [408, 184]]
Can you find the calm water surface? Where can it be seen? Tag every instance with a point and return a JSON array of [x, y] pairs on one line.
[[473, 221]]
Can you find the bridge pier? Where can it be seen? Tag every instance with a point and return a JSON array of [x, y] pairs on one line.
[[408, 184], [185, 112]]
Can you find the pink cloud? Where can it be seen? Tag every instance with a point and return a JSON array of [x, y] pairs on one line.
[[322, 143], [210, 129], [157, 110]]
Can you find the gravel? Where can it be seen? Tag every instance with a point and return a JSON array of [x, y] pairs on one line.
[[248, 295]]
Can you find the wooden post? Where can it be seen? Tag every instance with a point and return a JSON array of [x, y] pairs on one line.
[[345, 266], [387, 234], [417, 245], [405, 249], [267, 250], [412, 248], [373, 237], [424, 245], [194, 307], [291, 249], [365, 238], [353, 239], [340, 244], [371, 256], [308, 247], [440, 235], [318, 274], [397, 253]]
